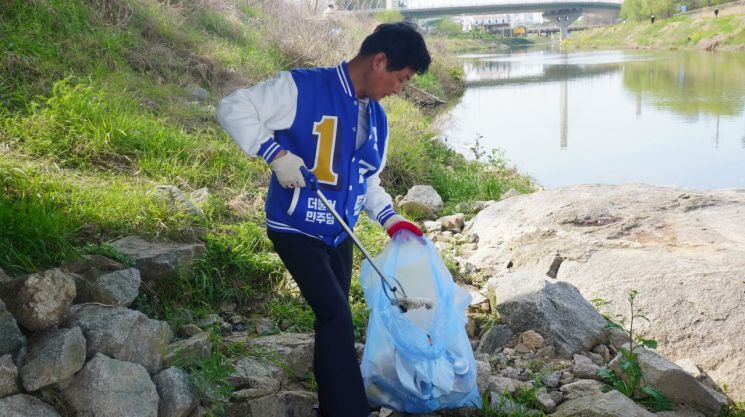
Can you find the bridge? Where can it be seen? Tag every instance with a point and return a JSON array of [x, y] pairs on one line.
[[562, 12]]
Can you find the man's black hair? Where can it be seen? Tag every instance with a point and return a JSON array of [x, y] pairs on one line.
[[402, 44]]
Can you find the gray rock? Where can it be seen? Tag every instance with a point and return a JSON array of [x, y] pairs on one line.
[[295, 349], [453, 223], [547, 403], [554, 309], [495, 338], [581, 388], [122, 333], [54, 357], [422, 199], [603, 351], [12, 340], [108, 387], [114, 288], [200, 196], [609, 404], [159, 261], [92, 266], [282, 404], [103, 280], [189, 351], [504, 385], [552, 379], [681, 249], [483, 373], [431, 226], [189, 330], [8, 376], [265, 326], [675, 383], [251, 373], [176, 395], [22, 405], [531, 339], [41, 300], [197, 93], [584, 367]]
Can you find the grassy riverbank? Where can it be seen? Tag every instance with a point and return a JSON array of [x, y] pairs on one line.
[[695, 31], [97, 112]]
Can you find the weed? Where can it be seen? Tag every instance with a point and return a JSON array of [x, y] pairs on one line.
[[630, 382], [507, 405]]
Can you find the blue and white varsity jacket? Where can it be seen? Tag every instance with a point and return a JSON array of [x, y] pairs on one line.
[[313, 113]]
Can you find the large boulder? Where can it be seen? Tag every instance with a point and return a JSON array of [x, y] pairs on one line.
[[609, 404], [674, 382], [176, 395], [423, 200], [554, 309], [41, 300], [263, 377], [122, 333], [54, 357], [188, 351], [159, 261], [582, 388], [683, 250], [22, 405], [12, 340], [495, 339], [108, 387], [118, 287], [294, 349]]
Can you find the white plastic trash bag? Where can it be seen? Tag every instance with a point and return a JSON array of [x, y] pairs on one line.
[[421, 360]]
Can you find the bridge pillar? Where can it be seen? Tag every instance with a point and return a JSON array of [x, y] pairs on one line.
[[563, 18]]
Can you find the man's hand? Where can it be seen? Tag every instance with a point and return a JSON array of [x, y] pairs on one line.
[[287, 167], [396, 223]]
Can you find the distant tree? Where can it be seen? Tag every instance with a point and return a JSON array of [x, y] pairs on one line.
[[638, 10], [449, 27]]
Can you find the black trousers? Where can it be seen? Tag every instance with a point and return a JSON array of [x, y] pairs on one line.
[[323, 274]]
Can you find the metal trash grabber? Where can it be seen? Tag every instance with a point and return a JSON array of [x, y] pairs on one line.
[[403, 303]]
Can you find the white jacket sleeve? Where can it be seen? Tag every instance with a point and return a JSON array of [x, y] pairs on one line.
[[378, 203], [251, 115]]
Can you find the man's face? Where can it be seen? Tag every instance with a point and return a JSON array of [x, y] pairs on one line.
[[382, 82]]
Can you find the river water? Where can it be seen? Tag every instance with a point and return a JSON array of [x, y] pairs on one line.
[[666, 118]]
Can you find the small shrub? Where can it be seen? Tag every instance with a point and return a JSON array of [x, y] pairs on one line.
[[630, 383]]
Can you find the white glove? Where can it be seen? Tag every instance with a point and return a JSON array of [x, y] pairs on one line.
[[287, 167]]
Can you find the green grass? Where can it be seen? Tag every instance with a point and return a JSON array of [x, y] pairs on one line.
[[678, 32]]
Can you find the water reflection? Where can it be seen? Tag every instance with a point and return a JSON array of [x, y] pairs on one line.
[[691, 83], [665, 118]]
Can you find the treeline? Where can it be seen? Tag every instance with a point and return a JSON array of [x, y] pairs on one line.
[[637, 10]]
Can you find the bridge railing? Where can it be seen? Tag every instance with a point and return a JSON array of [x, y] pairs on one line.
[[436, 4]]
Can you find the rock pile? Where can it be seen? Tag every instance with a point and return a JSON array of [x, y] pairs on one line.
[[71, 346]]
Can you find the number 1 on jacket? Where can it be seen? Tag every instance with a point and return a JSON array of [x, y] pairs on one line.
[[325, 130]]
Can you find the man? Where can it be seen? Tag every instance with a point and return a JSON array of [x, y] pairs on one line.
[[328, 120]]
